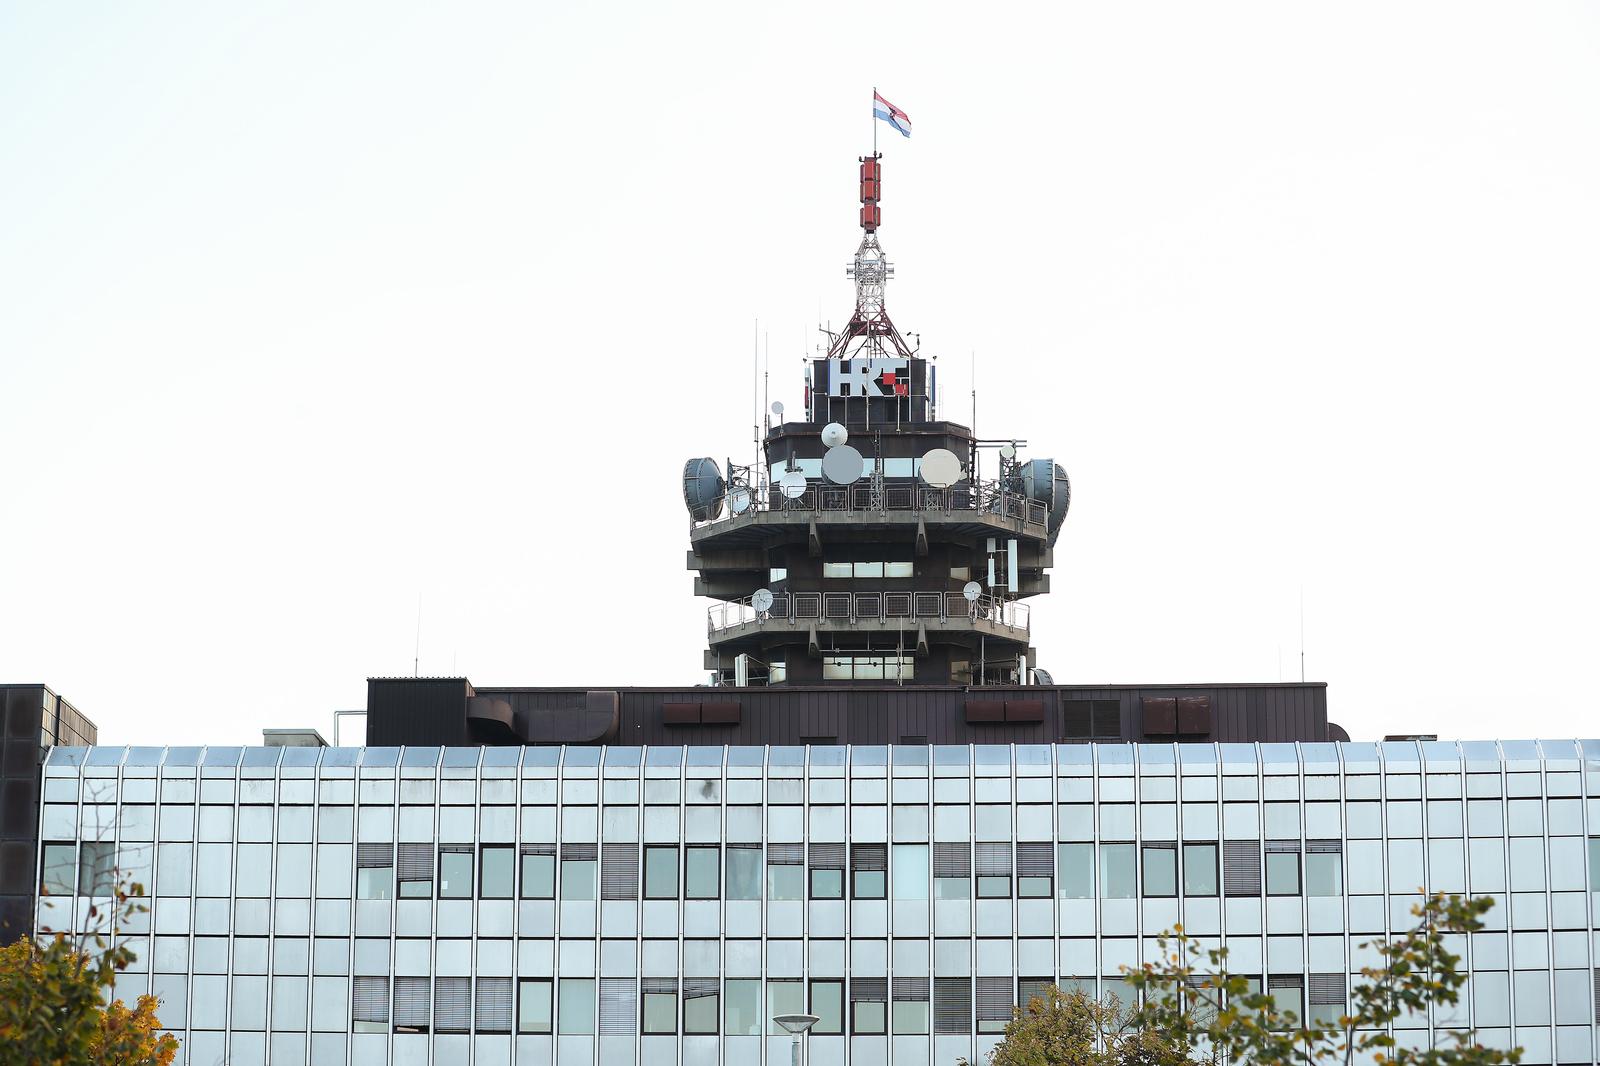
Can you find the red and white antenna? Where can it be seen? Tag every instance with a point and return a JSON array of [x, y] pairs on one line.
[[870, 332]]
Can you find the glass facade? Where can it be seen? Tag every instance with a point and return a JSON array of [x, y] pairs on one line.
[[503, 905]]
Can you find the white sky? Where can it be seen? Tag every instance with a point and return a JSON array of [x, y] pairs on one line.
[[308, 311]]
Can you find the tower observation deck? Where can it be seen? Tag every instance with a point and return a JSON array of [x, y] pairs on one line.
[[869, 547]]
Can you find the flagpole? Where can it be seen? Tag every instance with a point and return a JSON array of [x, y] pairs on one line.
[[874, 114]]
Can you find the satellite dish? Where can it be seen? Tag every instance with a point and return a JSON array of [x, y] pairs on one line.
[[739, 499], [941, 468], [1008, 451], [777, 408], [761, 600], [972, 590], [703, 488], [842, 464], [1058, 509], [833, 434], [792, 485]]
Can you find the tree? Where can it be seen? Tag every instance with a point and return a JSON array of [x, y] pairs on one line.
[[1191, 998], [1059, 1028], [52, 999]]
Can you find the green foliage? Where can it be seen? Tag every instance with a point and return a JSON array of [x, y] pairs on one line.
[[52, 1000], [1190, 996], [1070, 1029]]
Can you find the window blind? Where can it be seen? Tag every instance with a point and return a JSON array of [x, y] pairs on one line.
[[1325, 847], [494, 1005], [1241, 868], [826, 856], [452, 1004], [1036, 859], [869, 989], [911, 989], [993, 860], [952, 860], [619, 871], [580, 852], [869, 857], [370, 1000], [1281, 847], [786, 854], [1327, 989], [415, 862], [374, 856], [952, 1005], [995, 999], [618, 1006], [411, 1004]]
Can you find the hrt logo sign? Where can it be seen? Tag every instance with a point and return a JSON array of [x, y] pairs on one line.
[[870, 377]]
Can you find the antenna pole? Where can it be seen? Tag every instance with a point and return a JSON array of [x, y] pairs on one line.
[[416, 651], [1302, 634], [874, 113]]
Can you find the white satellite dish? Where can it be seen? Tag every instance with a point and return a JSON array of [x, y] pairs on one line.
[[833, 434], [761, 600], [1008, 451], [941, 468], [777, 408], [792, 485], [842, 465], [739, 499], [972, 590]]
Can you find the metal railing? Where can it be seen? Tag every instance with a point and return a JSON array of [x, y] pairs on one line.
[[985, 497], [798, 608]]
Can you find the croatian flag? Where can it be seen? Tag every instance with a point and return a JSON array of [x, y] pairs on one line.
[[895, 117]]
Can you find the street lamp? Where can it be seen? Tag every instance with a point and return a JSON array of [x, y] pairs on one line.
[[797, 1024]]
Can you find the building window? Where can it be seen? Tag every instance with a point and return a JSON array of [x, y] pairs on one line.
[[884, 667], [702, 872], [414, 867], [58, 872], [910, 1008], [994, 870], [1075, 871], [995, 1001], [374, 871], [786, 873], [952, 1005], [538, 871], [455, 871], [533, 1006], [452, 1004], [1035, 867], [1199, 869], [1241, 868], [661, 872], [827, 1003], [660, 1005], [868, 570], [369, 1002], [576, 1006], [1327, 995], [97, 868], [825, 870], [700, 1006], [493, 1005], [777, 573], [744, 871], [579, 873], [1286, 989], [869, 871], [911, 871], [785, 996], [498, 873], [741, 1007], [1117, 875], [868, 1006], [1324, 868], [952, 871], [411, 1005], [1283, 868], [1160, 869]]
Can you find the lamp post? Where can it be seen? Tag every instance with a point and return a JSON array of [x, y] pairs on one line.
[[796, 1024]]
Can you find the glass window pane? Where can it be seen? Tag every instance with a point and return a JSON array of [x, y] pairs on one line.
[[869, 570], [60, 868], [994, 887], [910, 1017], [837, 570], [1160, 871], [742, 1007], [455, 875], [744, 873], [660, 1012], [499, 870], [827, 884], [1283, 873], [700, 1014], [538, 876], [1075, 871], [577, 879], [375, 882], [661, 873], [898, 569], [533, 1008], [1200, 869], [910, 871], [786, 881], [1117, 879], [867, 1017], [1324, 874], [784, 997], [577, 1005], [827, 1003], [868, 884], [701, 868], [952, 888]]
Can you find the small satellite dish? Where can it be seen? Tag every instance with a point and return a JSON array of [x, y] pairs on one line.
[[1008, 451], [777, 408], [761, 600], [941, 468], [739, 499], [842, 464], [833, 434], [972, 590], [792, 485]]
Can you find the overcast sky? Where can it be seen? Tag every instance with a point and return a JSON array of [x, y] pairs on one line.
[[311, 312]]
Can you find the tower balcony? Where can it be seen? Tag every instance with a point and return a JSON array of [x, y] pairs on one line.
[[869, 613], [983, 510]]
